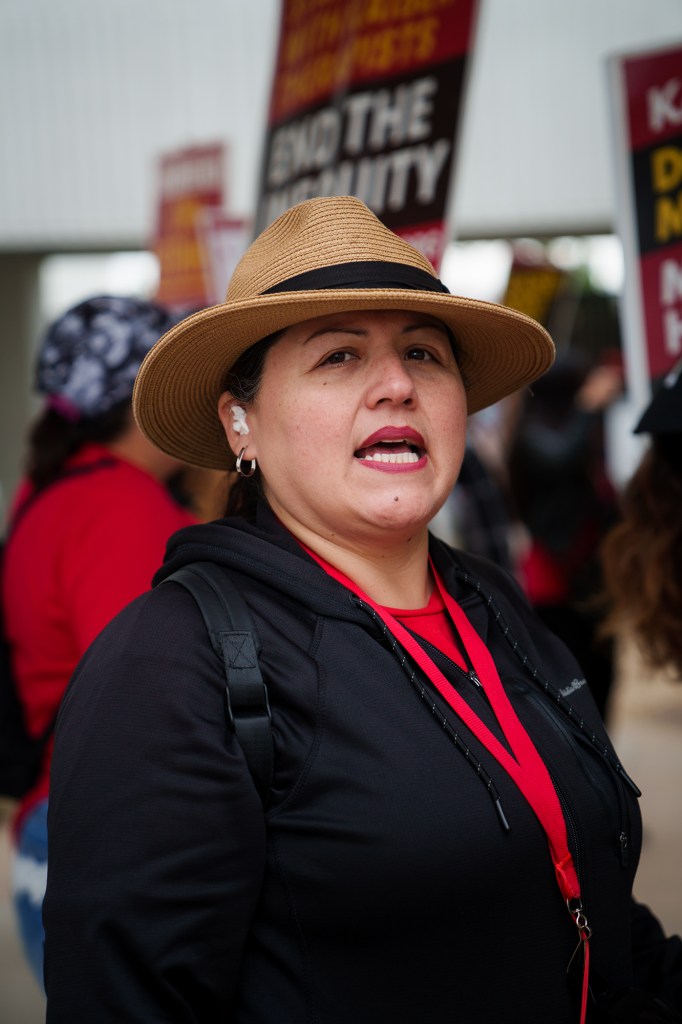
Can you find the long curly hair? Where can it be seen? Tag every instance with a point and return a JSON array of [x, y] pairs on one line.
[[642, 557]]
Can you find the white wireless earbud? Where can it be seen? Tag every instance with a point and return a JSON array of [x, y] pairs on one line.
[[239, 423]]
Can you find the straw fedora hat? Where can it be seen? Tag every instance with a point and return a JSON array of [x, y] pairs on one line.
[[326, 255]]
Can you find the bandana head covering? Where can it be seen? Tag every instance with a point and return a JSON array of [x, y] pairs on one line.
[[90, 356]]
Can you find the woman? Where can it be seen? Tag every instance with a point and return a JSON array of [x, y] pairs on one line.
[[642, 554], [404, 866], [87, 530]]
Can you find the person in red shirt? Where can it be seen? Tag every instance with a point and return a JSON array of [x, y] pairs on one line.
[[88, 528]]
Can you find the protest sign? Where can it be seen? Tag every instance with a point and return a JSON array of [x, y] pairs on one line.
[[191, 181], [366, 101], [646, 92], [224, 240]]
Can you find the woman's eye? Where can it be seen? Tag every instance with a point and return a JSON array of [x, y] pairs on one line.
[[419, 354], [336, 358]]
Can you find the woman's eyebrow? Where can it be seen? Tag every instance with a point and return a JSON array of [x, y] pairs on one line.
[[362, 331], [441, 328], [356, 331]]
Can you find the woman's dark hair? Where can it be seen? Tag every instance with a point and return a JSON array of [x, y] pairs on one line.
[[53, 440], [243, 381], [642, 556]]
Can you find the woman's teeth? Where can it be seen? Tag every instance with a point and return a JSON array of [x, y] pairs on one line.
[[396, 458]]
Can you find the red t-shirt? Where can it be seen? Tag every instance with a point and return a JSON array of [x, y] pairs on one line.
[[81, 552], [433, 624]]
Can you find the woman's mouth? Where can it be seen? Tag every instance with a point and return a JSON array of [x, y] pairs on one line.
[[391, 453]]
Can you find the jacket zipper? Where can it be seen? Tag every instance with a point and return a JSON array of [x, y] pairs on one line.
[[569, 817], [624, 822], [469, 675], [575, 835], [452, 732]]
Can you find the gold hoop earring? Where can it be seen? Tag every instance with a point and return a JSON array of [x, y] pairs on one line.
[[252, 467]]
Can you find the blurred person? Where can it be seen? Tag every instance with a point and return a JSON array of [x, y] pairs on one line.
[[642, 553], [566, 502], [476, 515], [442, 835], [87, 529]]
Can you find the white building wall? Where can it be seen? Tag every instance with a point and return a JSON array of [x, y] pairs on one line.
[[91, 93]]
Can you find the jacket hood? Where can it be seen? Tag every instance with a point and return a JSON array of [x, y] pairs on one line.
[[265, 551]]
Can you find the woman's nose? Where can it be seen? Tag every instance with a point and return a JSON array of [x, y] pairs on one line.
[[391, 381]]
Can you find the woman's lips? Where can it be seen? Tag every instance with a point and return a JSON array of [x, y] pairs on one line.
[[393, 449], [394, 434]]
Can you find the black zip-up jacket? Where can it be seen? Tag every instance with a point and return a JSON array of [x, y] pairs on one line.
[[378, 884]]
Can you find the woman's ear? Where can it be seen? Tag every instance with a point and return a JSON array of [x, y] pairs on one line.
[[233, 416]]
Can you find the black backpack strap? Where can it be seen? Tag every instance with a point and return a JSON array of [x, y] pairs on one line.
[[235, 640]]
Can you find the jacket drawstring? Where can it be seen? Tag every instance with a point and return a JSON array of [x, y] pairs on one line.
[[448, 729], [552, 692]]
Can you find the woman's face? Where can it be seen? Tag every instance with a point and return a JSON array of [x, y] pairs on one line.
[[359, 425]]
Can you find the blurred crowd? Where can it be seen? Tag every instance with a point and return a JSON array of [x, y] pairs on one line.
[[537, 494]]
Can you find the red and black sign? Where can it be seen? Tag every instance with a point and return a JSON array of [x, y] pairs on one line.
[[652, 106], [190, 182], [366, 101]]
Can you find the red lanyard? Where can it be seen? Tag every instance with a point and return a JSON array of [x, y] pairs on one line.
[[524, 765]]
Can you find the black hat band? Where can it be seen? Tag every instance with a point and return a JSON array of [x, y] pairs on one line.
[[361, 274]]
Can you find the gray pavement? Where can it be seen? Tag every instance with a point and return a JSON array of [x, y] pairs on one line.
[[646, 726]]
